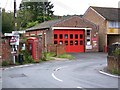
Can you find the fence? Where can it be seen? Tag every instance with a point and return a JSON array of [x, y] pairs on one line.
[[57, 49]]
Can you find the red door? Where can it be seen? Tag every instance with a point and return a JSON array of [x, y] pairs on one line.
[[73, 39]]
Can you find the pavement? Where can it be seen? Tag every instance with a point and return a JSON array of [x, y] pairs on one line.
[[83, 72]]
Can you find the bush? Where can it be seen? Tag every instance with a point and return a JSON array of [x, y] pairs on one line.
[[5, 63], [47, 56], [116, 52], [27, 58]]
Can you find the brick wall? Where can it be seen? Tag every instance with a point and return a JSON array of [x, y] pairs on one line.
[[52, 48], [94, 40], [60, 49], [92, 16], [57, 49], [49, 37], [113, 63], [6, 51]]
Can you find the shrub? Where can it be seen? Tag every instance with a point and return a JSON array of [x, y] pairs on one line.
[[116, 52], [5, 63], [47, 56], [27, 58], [114, 71]]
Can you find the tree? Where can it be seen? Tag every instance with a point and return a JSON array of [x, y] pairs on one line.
[[7, 21], [35, 11], [23, 18]]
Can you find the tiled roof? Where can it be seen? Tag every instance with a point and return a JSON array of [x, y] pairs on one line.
[[46, 24], [111, 14], [72, 21]]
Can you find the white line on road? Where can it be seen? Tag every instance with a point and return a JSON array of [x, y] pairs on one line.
[[109, 74], [56, 78], [60, 68], [53, 75], [79, 87]]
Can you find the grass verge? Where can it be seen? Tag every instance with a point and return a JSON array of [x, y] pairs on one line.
[[65, 55]]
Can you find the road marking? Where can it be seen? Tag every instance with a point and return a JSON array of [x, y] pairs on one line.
[[53, 75], [109, 74], [56, 78], [20, 66], [60, 68], [79, 87]]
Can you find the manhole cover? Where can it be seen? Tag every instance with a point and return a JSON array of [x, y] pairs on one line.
[[17, 75]]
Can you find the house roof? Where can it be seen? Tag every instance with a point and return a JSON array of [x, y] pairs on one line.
[[72, 21], [46, 24], [108, 13]]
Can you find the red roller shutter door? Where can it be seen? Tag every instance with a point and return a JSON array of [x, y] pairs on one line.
[[74, 39]]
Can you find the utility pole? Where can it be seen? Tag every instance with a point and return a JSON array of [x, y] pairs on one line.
[[15, 16], [15, 29]]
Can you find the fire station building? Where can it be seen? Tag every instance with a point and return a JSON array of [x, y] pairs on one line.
[[76, 33]]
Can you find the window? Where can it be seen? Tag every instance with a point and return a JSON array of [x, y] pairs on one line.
[[71, 36], [76, 42], [81, 36], [76, 36], [66, 42], [71, 42], [60, 36], [55, 42], [81, 42], [55, 36], [112, 24], [88, 32], [66, 36], [88, 41], [61, 42]]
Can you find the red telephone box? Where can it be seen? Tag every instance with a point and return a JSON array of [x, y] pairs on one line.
[[34, 48]]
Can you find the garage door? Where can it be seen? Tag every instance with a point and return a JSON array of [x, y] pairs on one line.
[[73, 39]]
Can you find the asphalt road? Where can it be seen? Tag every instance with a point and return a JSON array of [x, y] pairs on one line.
[[79, 73]]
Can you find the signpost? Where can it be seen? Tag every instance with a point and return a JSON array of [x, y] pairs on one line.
[[14, 41]]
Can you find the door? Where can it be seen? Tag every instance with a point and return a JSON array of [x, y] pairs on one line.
[[73, 39]]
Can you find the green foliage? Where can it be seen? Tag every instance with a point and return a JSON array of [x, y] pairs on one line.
[[116, 52], [31, 24], [7, 21], [47, 56], [68, 56], [30, 12], [114, 71], [41, 19], [27, 57], [5, 63], [23, 18]]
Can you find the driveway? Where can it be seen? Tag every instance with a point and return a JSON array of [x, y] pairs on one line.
[[79, 73]]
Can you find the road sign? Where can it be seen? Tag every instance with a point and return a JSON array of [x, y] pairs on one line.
[[13, 52], [13, 39]]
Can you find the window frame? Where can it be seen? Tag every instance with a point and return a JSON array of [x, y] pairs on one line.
[[56, 36]]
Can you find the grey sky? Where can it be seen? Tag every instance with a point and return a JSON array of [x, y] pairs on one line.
[[64, 7]]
